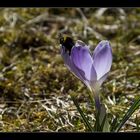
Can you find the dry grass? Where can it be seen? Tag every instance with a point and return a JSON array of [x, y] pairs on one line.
[[34, 83]]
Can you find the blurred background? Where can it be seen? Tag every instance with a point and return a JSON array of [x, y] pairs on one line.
[[34, 83]]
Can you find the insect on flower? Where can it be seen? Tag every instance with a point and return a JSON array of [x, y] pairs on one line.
[[91, 69], [67, 42]]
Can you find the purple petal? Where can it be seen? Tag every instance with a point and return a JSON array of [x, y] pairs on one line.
[[102, 58], [82, 59], [67, 60], [98, 48], [102, 79]]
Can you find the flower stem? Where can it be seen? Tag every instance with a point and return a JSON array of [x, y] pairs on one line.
[[97, 102], [91, 97], [95, 92]]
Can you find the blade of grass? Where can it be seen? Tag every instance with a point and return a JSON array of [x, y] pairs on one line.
[[114, 124], [128, 114], [82, 114], [137, 123]]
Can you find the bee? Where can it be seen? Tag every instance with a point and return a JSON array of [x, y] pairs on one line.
[[67, 42]]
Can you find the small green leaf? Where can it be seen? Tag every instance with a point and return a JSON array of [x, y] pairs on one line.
[[106, 127], [104, 120], [102, 124]]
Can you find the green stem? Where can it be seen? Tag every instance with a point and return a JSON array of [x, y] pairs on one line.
[[91, 98], [95, 92], [97, 102]]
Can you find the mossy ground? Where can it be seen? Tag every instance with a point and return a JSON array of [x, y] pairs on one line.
[[35, 85]]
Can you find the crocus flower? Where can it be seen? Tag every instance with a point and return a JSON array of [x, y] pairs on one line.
[[91, 69]]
